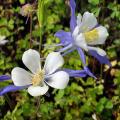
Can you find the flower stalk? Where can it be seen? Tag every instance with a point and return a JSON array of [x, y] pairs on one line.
[[40, 15], [31, 31]]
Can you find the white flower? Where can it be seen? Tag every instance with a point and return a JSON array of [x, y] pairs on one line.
[[40, 78], [87, 32], [2, 40]]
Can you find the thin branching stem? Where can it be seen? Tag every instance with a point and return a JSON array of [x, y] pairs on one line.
[[31, 31], [40, 44]]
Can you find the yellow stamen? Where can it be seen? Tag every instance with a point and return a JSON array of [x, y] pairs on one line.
[[38, 78], [91, 36]]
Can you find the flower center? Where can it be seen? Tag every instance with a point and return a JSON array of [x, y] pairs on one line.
[[91, 35], [38, 78]]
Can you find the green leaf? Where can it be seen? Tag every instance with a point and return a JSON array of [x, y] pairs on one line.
[[99, 107], [103, 100], [22, 1], [68, 116], [60, 94], [109, 105], [11, 24], [41, 12], [94, 2], [99, 89], [90, 81]]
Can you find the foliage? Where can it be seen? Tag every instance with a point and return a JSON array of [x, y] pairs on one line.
[[83, 98]]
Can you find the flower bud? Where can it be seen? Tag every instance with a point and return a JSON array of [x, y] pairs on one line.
[[26, 9]]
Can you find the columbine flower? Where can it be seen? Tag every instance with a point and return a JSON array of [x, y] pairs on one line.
[[88, 33], [85, 33], [2, 40], [38, 79]]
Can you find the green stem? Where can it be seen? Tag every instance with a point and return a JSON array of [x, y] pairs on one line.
[[41, 16], [101, 70], [10, 103], [40, 45], [31, 31], [38, 105]]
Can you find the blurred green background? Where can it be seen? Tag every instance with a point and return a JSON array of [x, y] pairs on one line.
[[83, 99]]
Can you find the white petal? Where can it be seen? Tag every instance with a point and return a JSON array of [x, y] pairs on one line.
[[103, 34], [31, 59], [53, 62], [58, 80], [79, 18], [98, 50], [80, 42], [75, 32], [21, 77], [89, 21], [37, 90]]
